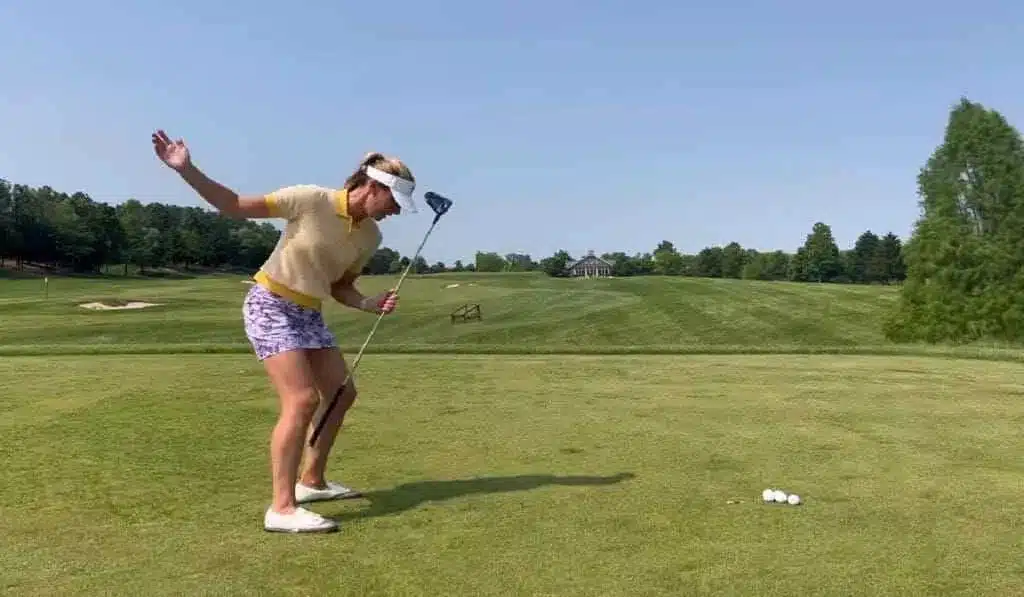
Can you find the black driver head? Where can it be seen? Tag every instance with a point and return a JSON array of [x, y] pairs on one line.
[[437, 203]]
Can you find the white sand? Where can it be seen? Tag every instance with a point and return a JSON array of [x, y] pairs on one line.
[[129, 305]]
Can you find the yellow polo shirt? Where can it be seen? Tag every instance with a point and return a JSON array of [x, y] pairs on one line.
[[320, 242]]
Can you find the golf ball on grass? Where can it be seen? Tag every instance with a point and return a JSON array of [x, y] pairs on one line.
[[777, 496]]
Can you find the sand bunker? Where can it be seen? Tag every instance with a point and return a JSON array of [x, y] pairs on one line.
[[118, 305]]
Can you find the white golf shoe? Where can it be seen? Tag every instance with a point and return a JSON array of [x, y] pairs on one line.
[[299, 521], [305, 494]]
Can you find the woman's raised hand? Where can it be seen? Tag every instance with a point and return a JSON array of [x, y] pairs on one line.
[[173, 153]]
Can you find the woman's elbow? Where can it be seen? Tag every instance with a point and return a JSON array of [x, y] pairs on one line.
[[247, 207]]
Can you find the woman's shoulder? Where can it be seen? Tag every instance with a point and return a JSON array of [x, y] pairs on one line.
[[367, 233], [371, 229]]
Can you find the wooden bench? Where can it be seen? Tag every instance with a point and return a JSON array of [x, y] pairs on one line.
[[466, 312]]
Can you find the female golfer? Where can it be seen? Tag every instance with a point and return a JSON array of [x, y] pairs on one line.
[[329, 236]]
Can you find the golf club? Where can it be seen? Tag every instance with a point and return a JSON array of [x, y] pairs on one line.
[[440, 206]]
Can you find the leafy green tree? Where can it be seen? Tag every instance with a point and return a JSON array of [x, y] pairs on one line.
[[555, 265], [886, 265], [966, 254], [862, 257], [821, 260], [381, 261], [489, 262], [519, 262], [667, 260], [708, 263]]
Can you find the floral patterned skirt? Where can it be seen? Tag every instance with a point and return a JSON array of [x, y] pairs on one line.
[[274, 324]]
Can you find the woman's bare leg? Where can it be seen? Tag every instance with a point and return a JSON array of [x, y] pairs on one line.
[[329, 370], [292, 377]]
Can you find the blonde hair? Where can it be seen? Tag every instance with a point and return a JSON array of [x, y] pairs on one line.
[[378, 160]]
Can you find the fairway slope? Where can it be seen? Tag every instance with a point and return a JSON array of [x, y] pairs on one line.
[[520, 313]]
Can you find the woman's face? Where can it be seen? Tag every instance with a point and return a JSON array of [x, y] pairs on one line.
[[381, 203]]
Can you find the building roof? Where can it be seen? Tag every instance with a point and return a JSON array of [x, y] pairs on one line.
[[589, 257]]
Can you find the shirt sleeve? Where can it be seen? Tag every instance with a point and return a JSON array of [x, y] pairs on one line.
[[291, 202], [365, 255]]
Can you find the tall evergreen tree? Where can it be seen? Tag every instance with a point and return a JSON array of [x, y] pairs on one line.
[[821, 261], [964, 259]]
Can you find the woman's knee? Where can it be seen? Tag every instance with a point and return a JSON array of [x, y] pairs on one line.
[[331, 371], [295, 382], [344, 396], [299, 403]]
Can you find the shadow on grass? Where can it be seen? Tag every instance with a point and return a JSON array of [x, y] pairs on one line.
[[385, 502]]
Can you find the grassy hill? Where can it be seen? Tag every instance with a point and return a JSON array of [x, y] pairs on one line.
[[522, 313], [656, 494]]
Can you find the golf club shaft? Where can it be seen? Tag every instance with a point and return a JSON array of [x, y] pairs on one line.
[[334, 400]]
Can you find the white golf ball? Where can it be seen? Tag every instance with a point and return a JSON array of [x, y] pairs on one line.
[[794, 499], [780, 496], [768, 495]]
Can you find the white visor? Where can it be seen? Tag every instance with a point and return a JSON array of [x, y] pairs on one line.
[[401, 188]]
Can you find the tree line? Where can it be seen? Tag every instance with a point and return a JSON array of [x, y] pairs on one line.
[[56, 230], [872, 259], [961, 272]]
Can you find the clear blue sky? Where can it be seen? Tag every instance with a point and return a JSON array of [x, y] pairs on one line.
[[557, 124]]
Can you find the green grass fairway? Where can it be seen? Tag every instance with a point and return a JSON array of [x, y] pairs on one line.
[[522, 313], [147, 475]]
